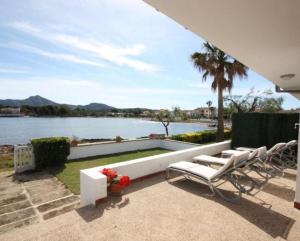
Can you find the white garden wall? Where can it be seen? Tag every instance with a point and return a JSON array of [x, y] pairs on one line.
[[93, 184], [105, 148]]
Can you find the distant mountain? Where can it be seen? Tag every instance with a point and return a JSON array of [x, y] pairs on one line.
[[41, 101], [32, 101], [96, 107]]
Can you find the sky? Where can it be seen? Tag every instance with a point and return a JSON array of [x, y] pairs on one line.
[[122, 53]]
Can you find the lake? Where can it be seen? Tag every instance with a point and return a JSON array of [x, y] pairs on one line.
[[21, 130]]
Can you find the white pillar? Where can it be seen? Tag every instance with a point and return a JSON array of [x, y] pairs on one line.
[[297, 196]]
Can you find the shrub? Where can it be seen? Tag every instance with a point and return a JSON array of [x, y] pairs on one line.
[[49, 152], [201, 136]]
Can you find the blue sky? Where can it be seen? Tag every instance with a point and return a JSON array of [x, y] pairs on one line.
[[120, 52]]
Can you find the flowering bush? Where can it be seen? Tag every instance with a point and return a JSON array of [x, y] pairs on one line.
[[114, 178]]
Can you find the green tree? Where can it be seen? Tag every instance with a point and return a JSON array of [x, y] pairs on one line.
[[254, 102], [223, 69], [165, 117], [271, 104]]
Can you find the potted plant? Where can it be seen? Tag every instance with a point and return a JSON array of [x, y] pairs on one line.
[[116, 183]]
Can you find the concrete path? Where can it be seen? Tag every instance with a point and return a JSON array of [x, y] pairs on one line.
[[31, 198]]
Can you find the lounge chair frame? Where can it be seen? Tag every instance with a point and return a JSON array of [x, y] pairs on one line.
[[227, 175]]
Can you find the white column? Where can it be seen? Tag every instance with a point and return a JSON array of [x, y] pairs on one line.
[[297, 196]]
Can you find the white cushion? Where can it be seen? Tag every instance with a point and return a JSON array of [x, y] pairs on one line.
[[184, 165], [229, 152], [245, 149], [211, 159], [197, 169], [203, 171], [276, 147]]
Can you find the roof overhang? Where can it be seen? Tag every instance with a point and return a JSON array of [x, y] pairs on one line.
[[262, 34]]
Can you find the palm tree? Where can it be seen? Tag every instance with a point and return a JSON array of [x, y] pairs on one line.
[[223, 69], [209, 103]]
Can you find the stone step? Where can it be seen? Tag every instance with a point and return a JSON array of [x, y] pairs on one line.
[[10, 195], [61, 210], [40, 199], [14, 207], [18, 224], [8, 184], [42, 190], [17, 215], [57, 203], [10, 189], [13, 199]]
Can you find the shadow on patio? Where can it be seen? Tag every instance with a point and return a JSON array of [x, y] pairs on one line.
[[266, 219]]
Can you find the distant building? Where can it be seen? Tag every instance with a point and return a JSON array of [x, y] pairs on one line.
[[10, 110], [202, 112]]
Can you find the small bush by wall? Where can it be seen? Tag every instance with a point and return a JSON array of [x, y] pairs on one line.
[[201, 136], [263, 129], [50, 151]]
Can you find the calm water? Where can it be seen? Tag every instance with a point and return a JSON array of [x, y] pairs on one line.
[[21, 130]]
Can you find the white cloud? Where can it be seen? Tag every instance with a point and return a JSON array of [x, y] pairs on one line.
[[114, 54], [13, 71], [56, 56]]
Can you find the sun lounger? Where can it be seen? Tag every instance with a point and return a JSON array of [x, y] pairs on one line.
[[210, 176], [289, 155], [254, 157]]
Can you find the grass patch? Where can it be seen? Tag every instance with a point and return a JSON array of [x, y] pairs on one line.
[[69, 173], [6, 163]]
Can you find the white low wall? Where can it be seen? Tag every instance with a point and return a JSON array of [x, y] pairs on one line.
[[93, 184], [105, 148]]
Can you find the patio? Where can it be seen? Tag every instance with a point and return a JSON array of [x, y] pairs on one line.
[[153, 209]]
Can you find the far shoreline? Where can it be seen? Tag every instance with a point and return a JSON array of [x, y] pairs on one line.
[[200, 121]]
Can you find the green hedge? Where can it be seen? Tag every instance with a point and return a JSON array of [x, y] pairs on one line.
[[200, 137], [263, 129], [49, 152]]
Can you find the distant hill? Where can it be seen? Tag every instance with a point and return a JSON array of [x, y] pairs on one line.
[[96, 107], [41, 101], [32, 101]]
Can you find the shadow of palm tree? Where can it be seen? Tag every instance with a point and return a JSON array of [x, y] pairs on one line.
[[269, 221]]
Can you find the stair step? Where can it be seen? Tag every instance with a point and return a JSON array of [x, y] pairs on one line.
[[62, 210], [43, 190], [39, 199], [18, 224], [17, 215], [14, 207], [13, 199], [57, 203]]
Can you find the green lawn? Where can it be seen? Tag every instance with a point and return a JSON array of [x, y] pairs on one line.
[[6, 163], [69, 174]]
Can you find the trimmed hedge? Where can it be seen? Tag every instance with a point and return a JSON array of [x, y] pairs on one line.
[[49, 152], [201, 136], [263, 129]]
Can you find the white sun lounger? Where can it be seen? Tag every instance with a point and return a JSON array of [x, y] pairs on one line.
[[242, 169], [272, 157], [210, 175]]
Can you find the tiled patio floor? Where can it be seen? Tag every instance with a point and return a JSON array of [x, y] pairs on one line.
[[153, 209]]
